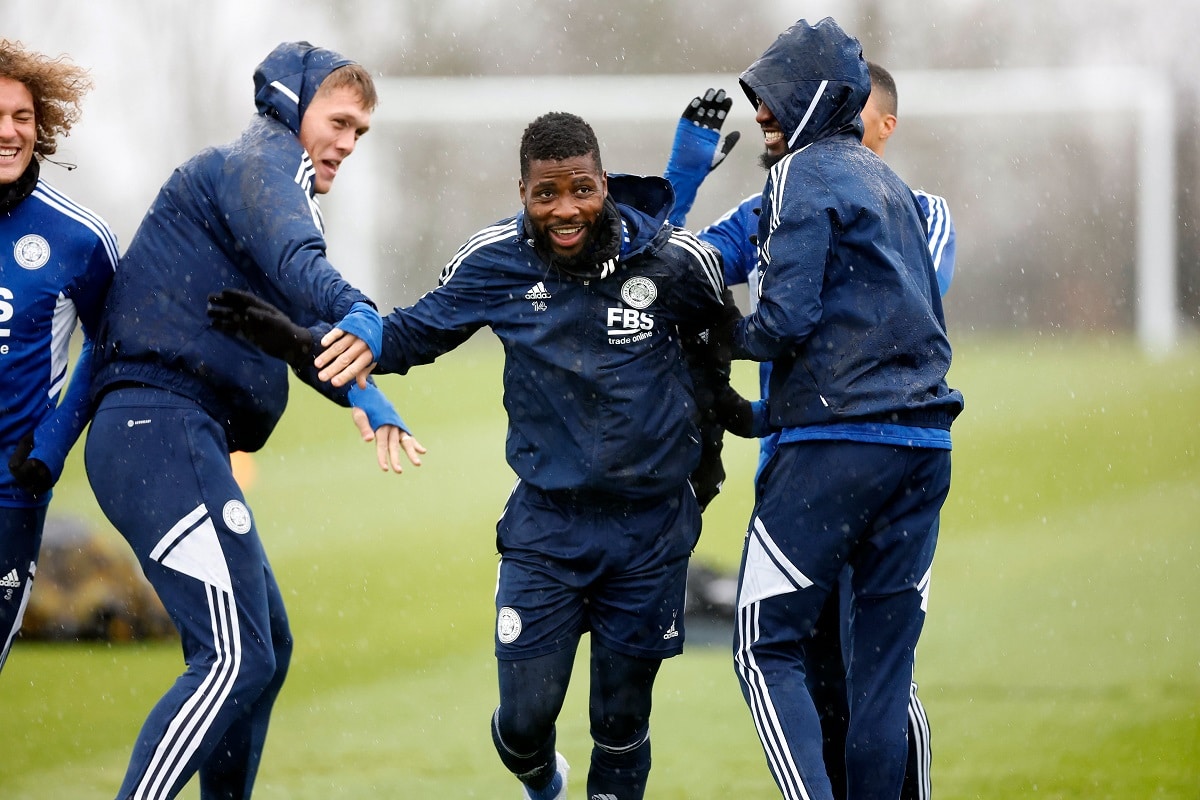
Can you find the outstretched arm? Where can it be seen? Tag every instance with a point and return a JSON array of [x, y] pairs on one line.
[[694, 151], [243, 314]]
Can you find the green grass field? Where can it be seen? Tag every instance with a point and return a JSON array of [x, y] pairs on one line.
[[1061, 656]]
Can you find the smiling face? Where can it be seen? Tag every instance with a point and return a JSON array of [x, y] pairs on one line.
[[775, 146], [18, 129], [564, 201], [330, 129]]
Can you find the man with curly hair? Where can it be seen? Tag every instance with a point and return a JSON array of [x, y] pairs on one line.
[[56, 263]]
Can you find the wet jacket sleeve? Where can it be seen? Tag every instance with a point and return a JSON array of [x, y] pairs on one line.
[[797, 230], [699, 296], [735, 235], [437, 323], [279, 226], [939, 230], [372, 400]]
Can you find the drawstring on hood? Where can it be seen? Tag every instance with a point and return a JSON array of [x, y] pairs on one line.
[[814, 79], [288, 78]]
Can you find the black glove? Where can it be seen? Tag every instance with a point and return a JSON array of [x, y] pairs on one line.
[[719, 336], [31, 473], [262, 324], [733, 412], [710, 112], [709, 474]]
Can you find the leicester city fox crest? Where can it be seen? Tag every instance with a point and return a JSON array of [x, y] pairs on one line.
[[508, 625], [236, 516], [31, 251], [639, 292]]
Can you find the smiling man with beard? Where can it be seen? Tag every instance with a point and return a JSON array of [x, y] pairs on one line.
[[591, 291]]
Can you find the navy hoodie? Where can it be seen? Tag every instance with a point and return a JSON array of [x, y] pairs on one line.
[[849, 310], [243, 215]]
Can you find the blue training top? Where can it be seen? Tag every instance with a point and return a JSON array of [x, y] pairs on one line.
[[56, 262], [598, 395]]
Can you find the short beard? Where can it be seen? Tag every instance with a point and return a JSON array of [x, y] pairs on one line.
[[766, 160], [580, 262], [603, 244]]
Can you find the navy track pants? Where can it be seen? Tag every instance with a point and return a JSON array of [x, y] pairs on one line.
[[159, 467], [822, 505]]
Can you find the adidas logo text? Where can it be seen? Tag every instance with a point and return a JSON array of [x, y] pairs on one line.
[[537, 292]]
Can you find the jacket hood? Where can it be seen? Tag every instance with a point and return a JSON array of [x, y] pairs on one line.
[[287, 79], [645, 201], [814, 80]]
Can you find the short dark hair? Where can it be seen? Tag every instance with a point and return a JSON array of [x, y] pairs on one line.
[[557, 136], [882, 82]]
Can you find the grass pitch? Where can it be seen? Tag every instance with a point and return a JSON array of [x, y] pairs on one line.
[[1060, 658]]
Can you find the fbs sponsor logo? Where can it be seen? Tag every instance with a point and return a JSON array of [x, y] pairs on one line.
[[628, 325]]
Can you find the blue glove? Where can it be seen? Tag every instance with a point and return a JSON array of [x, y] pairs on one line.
[[694, 152], [379, 409], [365, 323]]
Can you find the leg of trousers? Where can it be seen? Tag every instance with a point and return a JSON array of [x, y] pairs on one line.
[[159, 467]]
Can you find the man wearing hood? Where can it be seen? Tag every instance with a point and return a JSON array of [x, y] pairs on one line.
[[591, 291], [176, 395], [694, 154], [849, 314]]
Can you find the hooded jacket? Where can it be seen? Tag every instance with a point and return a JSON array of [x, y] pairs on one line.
[[598, 395], [848, 310], [243, 215]]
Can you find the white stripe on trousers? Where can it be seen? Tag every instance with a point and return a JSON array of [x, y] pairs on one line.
[[766, 720], [918, 727], [196, 715]]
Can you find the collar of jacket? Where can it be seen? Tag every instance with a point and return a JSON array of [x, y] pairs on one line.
[[11, 194]]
